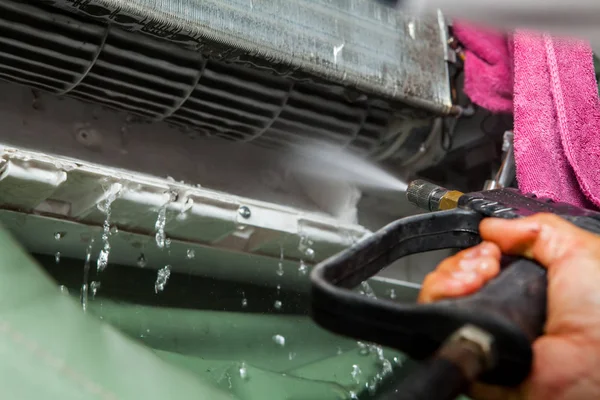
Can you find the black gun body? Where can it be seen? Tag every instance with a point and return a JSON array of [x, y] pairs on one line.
[[511, 308]]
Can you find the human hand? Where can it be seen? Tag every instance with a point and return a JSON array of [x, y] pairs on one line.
[[566, 363]]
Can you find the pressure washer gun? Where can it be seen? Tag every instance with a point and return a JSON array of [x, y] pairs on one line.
[[482, 337]]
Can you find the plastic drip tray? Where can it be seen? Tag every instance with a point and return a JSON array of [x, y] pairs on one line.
[[60, 206]]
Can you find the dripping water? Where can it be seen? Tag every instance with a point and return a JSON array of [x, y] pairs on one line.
[[94, 286], [161, 221], [279, 340], [141, 261], [183, 214], [302, 268], [367, 290], [356, 372], [105, 207], [86, 275], [279, 271], [243, 371], [162, 277], [305, 247], [244, 300], [159, 226]]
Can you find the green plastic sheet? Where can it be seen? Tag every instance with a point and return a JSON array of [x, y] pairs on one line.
[[50, 348]]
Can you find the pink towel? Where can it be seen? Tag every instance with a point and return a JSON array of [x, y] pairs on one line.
[[557, 124], [488, 67], [556, 112]]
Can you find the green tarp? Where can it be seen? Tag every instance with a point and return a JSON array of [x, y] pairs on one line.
[[50, 348]]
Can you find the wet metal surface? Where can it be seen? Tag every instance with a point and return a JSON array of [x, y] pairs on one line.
[[358, 43]]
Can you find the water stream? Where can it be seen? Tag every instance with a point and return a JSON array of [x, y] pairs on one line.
[[331, 163]]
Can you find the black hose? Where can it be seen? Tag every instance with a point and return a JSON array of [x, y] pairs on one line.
[[445, 377]]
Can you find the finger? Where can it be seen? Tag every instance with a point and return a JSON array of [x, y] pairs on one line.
[[546, 238], [465, 279], [462, 274], [440, 285], [482, 250]]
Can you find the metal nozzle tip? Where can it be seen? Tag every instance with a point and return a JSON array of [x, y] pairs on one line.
[[420, 193]]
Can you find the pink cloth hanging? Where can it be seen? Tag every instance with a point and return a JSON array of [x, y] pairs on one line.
[[555, 103]]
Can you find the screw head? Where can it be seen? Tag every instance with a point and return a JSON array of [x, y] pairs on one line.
[[244, 212]]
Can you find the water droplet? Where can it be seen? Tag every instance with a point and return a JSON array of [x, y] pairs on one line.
[[278, 304], [339, 351], [86, 274], [379, 351], [161, 278], [59, 235], [57, 257], [244, 371], [305, 247], [399, 361], [114, 230], [353, 395], [280, 340], [244, 302], [141, 261], [279, 271], [356, 372], [291, 356], [102, 261], [189, 203], [363, 349], [159, 226], [94, 286], [368, 291], [302, 269], [64, 290], [191, 254], [168, 242], [336, 52], [173, 196], [105, 207], [392, 294], [372, 384], [386, 367]]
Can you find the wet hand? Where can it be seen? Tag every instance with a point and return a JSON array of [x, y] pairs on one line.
[[566, 363]]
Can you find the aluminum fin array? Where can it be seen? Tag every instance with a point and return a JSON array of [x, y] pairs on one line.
[[64, 54], [354, 43]]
